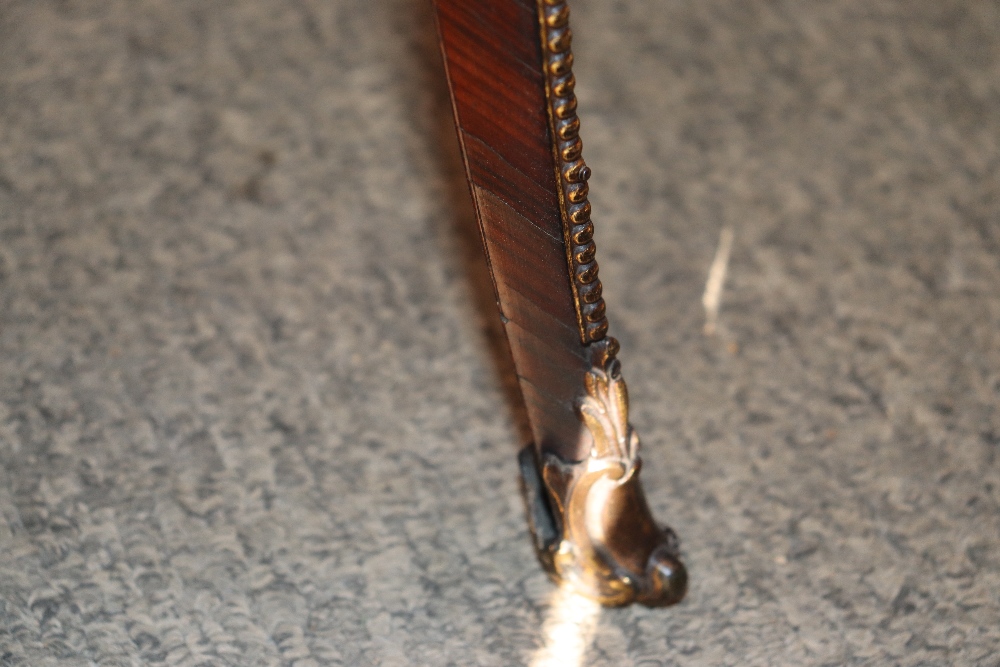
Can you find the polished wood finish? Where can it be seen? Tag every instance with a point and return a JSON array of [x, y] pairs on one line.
[[493, 59]]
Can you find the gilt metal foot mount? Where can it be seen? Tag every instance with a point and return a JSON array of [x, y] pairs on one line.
[[592, 525]]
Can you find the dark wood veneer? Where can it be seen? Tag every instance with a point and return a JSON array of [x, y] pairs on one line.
[[507, 148]]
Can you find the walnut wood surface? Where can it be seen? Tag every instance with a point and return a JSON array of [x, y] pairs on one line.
[[494, 60]]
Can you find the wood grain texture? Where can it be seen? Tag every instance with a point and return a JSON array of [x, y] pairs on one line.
[[495, 63]]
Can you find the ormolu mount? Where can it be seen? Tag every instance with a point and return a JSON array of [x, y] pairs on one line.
[[509, 68]]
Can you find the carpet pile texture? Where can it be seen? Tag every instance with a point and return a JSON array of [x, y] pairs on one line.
[[254, 404]]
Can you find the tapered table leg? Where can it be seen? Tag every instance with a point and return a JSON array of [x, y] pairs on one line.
[[509, 67]]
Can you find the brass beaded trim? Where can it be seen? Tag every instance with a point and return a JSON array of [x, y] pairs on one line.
[[572, 172]]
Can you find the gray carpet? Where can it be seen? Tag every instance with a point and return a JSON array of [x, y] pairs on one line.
[[254, 408]]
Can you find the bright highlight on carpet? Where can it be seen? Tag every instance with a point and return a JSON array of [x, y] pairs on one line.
[[568, 630]]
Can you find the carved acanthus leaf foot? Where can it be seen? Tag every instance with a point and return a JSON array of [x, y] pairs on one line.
[[592, 524]]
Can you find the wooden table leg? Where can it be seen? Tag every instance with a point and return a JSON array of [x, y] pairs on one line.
[[509, 68]]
